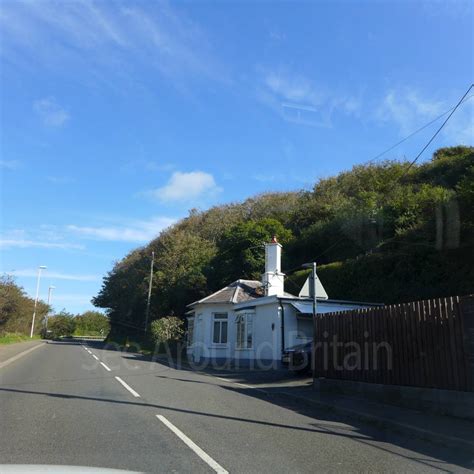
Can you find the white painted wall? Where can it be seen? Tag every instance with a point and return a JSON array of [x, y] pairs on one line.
[[267, 320]]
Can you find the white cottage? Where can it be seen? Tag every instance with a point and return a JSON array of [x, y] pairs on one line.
[[250, 323]]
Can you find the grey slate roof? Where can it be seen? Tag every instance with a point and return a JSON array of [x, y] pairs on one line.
[[238, 291]]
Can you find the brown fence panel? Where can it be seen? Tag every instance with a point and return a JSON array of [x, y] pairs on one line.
[[426, 343]]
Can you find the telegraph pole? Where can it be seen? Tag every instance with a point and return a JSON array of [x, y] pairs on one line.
[[149, 291]]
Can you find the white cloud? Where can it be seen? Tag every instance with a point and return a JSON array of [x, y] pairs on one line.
[[10, 165], [59, 179], [103, 38], [299, 99], [186, 187], [50, 112], [33, 273], [135, 231], [409, 110], [27, 243]]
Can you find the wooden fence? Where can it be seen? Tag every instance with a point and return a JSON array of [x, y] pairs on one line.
[[424, 344]]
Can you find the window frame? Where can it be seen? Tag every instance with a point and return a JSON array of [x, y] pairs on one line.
[[220, 317], [244, 320]]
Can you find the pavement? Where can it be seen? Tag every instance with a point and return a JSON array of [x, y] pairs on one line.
[[81, 404]]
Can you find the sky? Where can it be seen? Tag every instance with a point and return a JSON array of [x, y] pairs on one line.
[[119, 117]]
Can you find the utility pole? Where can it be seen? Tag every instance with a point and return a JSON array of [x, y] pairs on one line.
[[149, 291], [40, 268]]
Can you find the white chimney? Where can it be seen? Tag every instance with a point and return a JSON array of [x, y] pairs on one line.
[[273, 279]]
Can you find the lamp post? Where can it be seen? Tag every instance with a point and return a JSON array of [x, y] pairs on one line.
[[312, 293], [50, 292], [40, 268]]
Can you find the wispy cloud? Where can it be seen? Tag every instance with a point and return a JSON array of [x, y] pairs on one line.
[[26, 243], [408, 109], [59, 179], [33, 273], [135, 231], [45, 237], [71, 299], [50, 112], [107, 37], [10, 165], [299, 99], [186, 187]]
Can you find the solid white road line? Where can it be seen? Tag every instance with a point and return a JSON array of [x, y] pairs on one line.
[[21, 354], [192, 445], [95, 357], [104, 366], [130, 389]]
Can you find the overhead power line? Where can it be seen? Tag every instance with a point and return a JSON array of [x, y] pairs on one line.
[[375, 158], [452, 110]]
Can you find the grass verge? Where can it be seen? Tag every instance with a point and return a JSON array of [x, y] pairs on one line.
[[11, 338]]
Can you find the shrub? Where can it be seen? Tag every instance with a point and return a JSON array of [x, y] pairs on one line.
[[167, 329], [61, 325]]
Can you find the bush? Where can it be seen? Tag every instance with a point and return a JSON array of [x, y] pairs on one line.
[[61, 325], [167, 329]]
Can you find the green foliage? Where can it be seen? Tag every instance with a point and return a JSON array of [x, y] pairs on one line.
[[16, 309], [11, 338], [380, 232], [62, 324], [91, 323], [240, 252], [167, 329]]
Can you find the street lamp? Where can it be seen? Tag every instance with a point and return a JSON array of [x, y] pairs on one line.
[[312, 293], [50, 291], [40, 268]]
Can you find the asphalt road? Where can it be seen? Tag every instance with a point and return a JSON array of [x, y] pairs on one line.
[[88, 406]]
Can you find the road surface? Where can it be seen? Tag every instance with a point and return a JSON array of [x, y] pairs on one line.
[[81, 404]]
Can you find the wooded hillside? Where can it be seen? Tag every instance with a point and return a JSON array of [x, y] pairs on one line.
[[383, 232]]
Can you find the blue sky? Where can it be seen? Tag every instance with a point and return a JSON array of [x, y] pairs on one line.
[[118, 117]]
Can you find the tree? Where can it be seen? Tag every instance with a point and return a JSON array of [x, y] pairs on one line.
[[61, 325], [241, 251], [365, 220], [92, 323], [16, 309]]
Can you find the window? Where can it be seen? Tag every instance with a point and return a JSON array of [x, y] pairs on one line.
[[190, 332], [219, 335], [244, 331]]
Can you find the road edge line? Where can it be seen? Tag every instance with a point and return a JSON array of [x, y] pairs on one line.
[[20, 355]]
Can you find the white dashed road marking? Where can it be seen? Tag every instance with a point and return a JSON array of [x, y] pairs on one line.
[[192, 445], [130, 389], [105, 367]]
